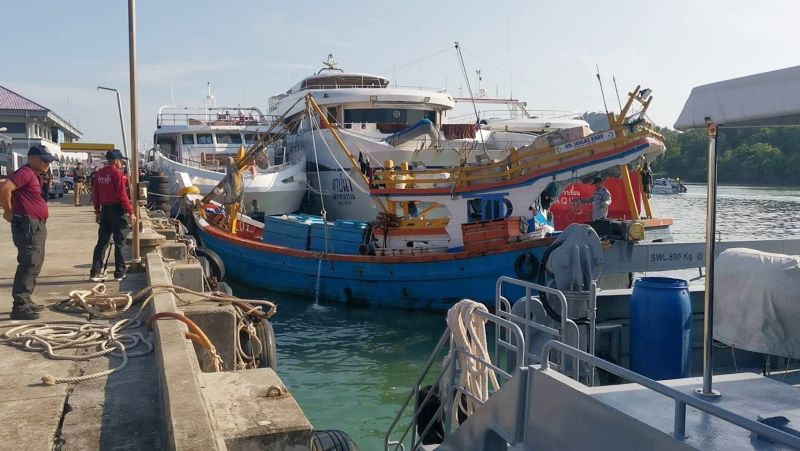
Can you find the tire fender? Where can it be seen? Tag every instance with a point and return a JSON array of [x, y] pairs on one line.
[[526, 266], [215, 262]]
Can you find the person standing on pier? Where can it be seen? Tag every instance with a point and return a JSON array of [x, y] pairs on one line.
[[26, 210], [111, 204], [78, 179]]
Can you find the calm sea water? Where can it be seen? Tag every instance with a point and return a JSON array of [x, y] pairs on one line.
[[351, 368]]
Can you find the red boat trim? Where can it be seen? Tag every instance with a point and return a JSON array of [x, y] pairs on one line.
[[405, 258]]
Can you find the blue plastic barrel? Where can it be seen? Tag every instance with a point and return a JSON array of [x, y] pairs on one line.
[[661, 325]]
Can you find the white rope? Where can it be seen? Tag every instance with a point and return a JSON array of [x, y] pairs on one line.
[[468, 335], [106, 339]]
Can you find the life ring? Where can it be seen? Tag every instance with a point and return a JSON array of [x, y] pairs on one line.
[[526, 266]]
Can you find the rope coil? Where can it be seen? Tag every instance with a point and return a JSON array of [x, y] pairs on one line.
[[468, 338], [108, 339]]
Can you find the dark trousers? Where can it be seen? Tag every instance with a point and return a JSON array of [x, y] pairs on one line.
[[29, 236], [112, 224]]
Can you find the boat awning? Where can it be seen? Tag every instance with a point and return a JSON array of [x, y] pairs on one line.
[[766, 99], [86, 147]]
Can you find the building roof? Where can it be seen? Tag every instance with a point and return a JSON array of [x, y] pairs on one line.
[[10, 100]]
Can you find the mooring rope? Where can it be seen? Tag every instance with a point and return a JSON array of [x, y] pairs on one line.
[[468, 337], [109, 339]]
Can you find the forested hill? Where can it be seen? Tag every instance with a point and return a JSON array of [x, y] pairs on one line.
[[746, 156]]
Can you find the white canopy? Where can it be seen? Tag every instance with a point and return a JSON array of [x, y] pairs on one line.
[[767, 99]]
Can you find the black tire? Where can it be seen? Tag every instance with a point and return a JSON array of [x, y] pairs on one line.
[[332, 441], [217, 267], [225, 288], [269, 353], [205, 265]]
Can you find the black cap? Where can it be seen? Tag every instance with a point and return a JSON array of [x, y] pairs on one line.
[[597, 180], [41, 152], [115, 154]]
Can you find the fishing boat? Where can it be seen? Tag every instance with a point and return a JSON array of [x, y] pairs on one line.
[[453, 228], [572, 367], [198, 141], [381, 122]]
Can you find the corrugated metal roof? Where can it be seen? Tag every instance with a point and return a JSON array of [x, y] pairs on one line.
[[10, 100]]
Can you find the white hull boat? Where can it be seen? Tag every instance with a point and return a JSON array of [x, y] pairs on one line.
[[198, 144]]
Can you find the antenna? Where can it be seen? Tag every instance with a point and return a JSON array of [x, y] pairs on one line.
[[472, 97], [330, 63], [211, 102], [617, 90], [478, 71], [508, 43], [602, 93]]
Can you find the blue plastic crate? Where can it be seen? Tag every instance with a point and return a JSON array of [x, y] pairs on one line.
[[289, 231]]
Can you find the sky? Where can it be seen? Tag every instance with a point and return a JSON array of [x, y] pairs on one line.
[[57, 52]]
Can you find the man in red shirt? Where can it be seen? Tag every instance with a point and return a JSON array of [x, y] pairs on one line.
[[26, 210], [111, 204]]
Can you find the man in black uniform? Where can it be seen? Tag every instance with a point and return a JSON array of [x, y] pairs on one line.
[[111, 204]]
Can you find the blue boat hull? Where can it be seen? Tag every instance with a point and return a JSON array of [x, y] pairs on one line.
[[435, 284]]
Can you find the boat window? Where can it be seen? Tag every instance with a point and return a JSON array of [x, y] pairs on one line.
[[344, 81], [229, 138], [388, 115], [204, 138], [187, 139], [250, 138]]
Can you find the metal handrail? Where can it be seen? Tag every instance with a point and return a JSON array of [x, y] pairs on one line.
[[529, 288], [520, 362], [681, 399], [221, 168]]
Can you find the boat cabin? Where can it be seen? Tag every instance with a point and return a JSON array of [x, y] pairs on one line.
[[204, 138]]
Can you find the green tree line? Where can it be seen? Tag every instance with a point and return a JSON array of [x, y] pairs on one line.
[[768, 156]]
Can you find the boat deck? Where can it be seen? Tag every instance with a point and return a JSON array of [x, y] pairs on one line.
[[747, 394]]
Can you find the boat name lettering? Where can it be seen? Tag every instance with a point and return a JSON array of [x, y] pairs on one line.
[[676, 256], [342, 189], [589, 140]]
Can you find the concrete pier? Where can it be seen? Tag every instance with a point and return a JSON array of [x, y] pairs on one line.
[[159, 401]]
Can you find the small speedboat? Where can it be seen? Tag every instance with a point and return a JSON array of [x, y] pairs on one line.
[[668, 186]]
